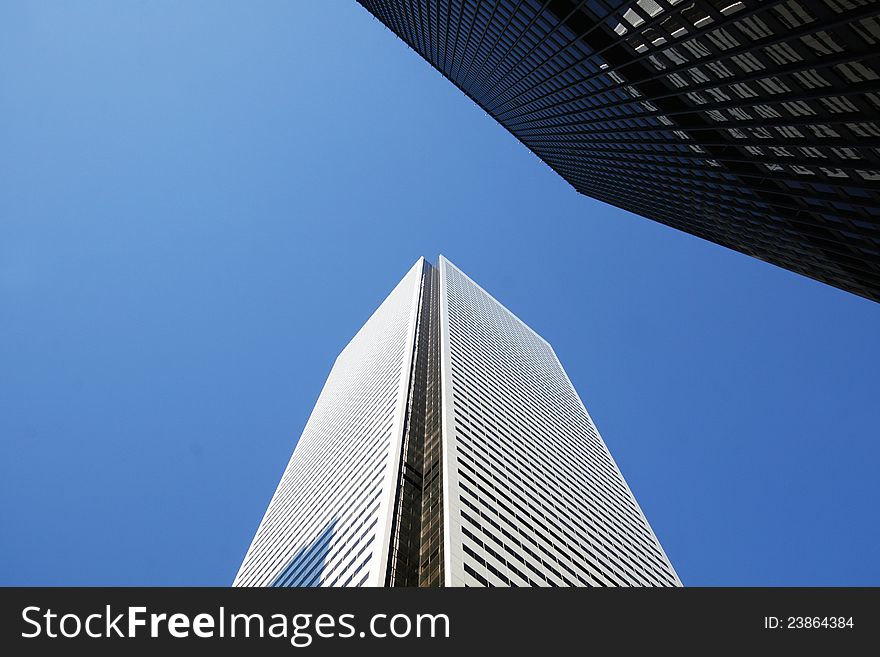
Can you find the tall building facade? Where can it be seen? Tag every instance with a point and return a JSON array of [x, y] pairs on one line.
[[449, 448], [754, 123]]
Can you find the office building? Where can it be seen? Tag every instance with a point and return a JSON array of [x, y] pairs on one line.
[[449, 448], [754, 124]]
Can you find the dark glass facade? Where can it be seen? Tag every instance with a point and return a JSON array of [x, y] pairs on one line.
[[416, 554], [754, 124]]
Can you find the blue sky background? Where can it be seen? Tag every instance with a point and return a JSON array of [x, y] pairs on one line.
[[201, 202]]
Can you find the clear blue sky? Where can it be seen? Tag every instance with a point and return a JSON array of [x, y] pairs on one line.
[[201, 202]]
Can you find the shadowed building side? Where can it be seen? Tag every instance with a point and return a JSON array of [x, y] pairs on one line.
[[306, 568]]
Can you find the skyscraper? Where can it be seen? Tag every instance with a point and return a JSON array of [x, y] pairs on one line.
[[754, 124], [449, 448]]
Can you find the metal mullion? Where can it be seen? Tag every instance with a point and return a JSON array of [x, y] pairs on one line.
[[447, 13], [480, 44], [425, 22], [513, 12], [525, 31], [561, 22], [470, 32], [403, 21], [390, 17], [453, 52], [422, 30]]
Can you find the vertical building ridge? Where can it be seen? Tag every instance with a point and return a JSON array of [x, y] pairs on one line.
[[405, 549], [431, 538]]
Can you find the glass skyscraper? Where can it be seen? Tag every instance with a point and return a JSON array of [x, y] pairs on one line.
[[449, 448], [754, 124]]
